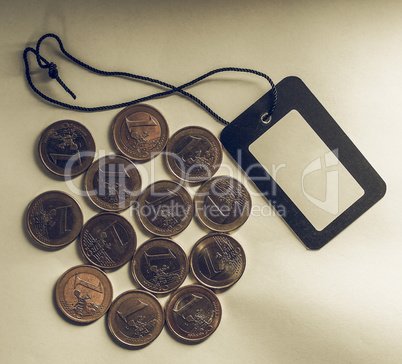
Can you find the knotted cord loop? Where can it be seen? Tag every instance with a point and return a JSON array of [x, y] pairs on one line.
[[54, 74]]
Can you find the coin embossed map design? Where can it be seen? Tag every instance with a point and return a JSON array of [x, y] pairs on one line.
[[140, 132], [222, 204], [193, 313], [135, 318], [66, 148], [54, 219], [108, 240], [217, 261], [193, 154], [165, 208], [84, 293], [113, 183], [160, 265]]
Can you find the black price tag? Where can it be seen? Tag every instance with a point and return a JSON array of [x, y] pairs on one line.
[[303, 163]]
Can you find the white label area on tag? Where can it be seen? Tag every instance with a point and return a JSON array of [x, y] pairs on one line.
[[306, 170]]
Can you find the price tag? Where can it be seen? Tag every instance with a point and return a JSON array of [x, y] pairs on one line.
[[303, 163]]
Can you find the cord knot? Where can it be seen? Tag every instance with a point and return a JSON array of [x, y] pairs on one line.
[[53, 72]]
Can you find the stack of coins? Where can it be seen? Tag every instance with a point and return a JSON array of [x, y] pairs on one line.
[[164, 208]]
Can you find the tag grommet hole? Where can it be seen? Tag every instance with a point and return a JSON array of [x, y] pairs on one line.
[[266, 118]]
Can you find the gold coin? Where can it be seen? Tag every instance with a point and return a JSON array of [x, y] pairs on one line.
[[135, 318], [140, 132], [165, 208], [193, 313], [222, 204], [84, 293], [113, 183], [108, 240], [54, 219], [66, 148], [193, 154], [160, 265], [217, 261]]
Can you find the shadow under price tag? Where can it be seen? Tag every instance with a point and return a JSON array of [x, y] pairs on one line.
[[303, 163]]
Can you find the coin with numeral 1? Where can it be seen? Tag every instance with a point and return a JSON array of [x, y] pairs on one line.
[[108, 240], [222, 204], [135, 318], [193, 154], [193, 313], [159, 265], [113, 183], [54, 219], [66, 148], [140, 132], [165, 208], [217, 260], [84, 293]]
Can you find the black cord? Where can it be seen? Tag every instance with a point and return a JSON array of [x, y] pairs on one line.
[[53, 73]]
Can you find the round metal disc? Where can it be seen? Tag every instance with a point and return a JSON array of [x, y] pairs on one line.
[[193, 154], [222, 204], [135, 318], [66, 148], [54, 219], [84, 293], [193, 313], [217, 261], [140, 132]]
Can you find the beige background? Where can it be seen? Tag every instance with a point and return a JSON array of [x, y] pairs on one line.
[[342, 304]]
